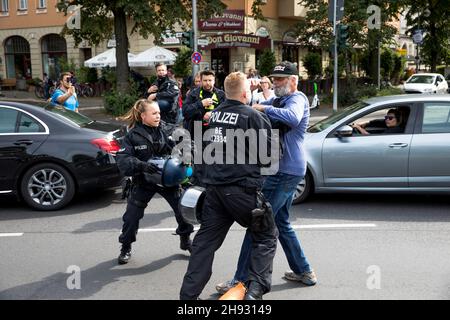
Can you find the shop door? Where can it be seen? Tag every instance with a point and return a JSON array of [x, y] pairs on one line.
[[220, 63]]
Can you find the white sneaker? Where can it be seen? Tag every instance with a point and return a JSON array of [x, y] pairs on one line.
[[308, 278]]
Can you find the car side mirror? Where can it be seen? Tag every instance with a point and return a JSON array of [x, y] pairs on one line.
[[344, 131]]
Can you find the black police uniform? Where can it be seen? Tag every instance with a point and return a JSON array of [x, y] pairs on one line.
[[232, 195], [140, 144], [193, 110], [168, 91]]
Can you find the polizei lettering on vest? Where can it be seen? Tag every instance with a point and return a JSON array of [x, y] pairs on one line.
[[224, 117]]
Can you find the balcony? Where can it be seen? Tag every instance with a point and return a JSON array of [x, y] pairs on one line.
[[291, 10]]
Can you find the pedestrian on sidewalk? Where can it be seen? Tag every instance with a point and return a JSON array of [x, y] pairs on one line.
[[65, 95], [289, 113]]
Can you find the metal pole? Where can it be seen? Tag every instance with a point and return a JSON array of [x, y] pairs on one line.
[[379, 65], [195, 67], [335, 83]]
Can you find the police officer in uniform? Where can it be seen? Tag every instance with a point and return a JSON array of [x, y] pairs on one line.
[[197, 109], [232, 194], [165, 90], [146, 139], [201, 101]]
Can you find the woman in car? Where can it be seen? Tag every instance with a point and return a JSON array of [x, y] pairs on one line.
[[392, 122], [145, 140]]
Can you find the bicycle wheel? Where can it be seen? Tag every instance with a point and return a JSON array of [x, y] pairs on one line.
[[39, 92], [88, 91]]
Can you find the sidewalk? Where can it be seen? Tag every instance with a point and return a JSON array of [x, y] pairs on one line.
[[93, 107]]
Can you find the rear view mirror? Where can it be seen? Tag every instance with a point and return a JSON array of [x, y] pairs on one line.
[[344, 131]]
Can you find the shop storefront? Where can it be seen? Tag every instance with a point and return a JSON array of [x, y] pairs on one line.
[[227, 46]]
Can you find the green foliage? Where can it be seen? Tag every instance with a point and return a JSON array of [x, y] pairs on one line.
[[34, 82], [436, 43], [109, 75], [329, 70], [67, 66], [313, 64], [352, 92], [182, 65], [117, 103], [266, 62], [387, 63]]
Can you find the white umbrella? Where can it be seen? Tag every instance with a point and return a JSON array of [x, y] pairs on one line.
[[105, 59], [152, 56]]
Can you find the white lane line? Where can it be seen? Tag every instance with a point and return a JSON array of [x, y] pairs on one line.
[[11, 234], [335, 226], [295, 227]]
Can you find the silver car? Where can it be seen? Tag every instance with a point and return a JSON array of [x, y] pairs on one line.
[[415, 158]]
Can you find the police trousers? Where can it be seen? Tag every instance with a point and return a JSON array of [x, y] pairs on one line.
[[138, 199], [223, 206]]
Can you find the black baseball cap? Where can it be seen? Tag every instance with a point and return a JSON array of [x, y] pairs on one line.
[[284, 69]]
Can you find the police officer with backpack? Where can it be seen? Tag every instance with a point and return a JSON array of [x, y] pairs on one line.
[[146, 140]]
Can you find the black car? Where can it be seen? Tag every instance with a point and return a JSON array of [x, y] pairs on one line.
[[49, 153]]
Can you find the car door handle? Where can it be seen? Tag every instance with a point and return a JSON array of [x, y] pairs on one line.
[[398, 145], [23, 142]]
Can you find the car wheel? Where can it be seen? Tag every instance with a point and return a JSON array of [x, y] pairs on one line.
[[304, 189], [47, 186]]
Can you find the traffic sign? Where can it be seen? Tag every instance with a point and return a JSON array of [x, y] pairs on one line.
[[418, 36], [196, 57]]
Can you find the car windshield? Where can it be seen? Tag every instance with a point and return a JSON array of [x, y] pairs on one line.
[[325, 123], [421, 79], [70, 115]]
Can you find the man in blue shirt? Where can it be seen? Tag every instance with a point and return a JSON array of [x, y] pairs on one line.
[[289, 113], [65, 95]]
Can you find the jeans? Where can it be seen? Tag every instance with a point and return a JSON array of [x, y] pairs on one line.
[[278, 190]]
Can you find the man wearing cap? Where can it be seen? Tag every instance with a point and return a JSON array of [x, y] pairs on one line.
[[289, 113]]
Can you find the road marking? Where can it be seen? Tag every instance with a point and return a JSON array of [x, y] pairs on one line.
[[331, 226], [295, 227], [11, 234]]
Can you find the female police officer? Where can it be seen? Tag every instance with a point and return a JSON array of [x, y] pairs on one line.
[[145, 140]]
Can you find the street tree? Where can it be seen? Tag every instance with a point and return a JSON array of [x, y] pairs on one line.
[[432, 17], [316, 31], [100, 19]]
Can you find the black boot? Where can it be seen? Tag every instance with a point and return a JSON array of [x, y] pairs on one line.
[[255, 291], [125, 254], [185, 242]]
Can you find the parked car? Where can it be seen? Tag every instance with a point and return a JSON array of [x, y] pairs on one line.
[[415, 159], [49, 153], [448, 82], [426, 83]]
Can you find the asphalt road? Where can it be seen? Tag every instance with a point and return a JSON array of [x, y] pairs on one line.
[[361, 247]]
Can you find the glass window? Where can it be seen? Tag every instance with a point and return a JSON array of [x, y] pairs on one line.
[[421, 79], [23, 4], [5, 6], [42, 4], [28, 124], [54, 49], [8, 119], [341, 114], [69, 115], [436, 118]]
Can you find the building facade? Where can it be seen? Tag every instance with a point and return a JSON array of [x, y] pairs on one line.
[[31, 43]]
